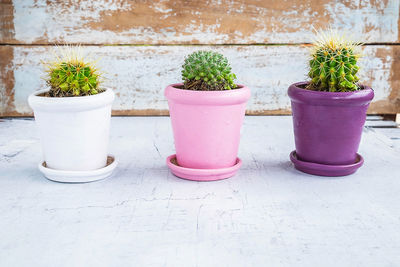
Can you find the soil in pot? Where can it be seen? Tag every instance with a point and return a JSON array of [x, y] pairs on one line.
[[57, 92], [200, 85]]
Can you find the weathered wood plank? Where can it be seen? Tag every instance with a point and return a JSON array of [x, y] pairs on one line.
[[381, 124], [139, 74], [7, 81], [205, 22], [374, 118], [7, 32]]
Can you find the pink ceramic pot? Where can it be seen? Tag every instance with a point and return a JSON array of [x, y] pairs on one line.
[[206, 125]]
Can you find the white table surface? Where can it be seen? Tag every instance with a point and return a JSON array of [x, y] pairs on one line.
[[269, 214]]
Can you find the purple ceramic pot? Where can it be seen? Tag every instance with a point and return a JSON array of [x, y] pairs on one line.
[[328, 125]]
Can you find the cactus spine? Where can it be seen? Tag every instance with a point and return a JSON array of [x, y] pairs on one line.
[[333, 66], [71, 75], [207, 71]]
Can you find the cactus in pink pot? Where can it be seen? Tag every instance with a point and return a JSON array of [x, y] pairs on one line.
[[207, 111], [207, 71]]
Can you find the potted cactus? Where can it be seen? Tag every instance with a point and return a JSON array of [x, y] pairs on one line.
[[73, 118], [329, 111], [207, 112]]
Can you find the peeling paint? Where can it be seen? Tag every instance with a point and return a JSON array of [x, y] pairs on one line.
[[7, 81], [376, 70], [7, 31], [383, 106], [14, 148]]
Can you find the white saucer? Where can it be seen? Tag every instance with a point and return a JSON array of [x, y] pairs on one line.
[[79, 176]]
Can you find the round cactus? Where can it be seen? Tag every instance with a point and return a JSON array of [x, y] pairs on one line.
[[72, 75], [207, 71], [333, 66]]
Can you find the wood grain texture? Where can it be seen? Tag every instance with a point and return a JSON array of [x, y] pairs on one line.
[[7, 81], [192, 22], [139, 74], [269, 214], [7, 32]]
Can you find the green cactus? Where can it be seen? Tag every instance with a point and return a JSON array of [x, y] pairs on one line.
[[333, 66], [72, 75], [207, 71]]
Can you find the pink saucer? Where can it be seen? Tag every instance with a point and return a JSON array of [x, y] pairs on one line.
[[202, 174], [326, 170]]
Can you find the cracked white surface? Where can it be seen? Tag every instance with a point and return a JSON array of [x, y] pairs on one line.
[[268, 214]]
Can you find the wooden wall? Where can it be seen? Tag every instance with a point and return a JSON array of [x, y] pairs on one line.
[[142, 44]]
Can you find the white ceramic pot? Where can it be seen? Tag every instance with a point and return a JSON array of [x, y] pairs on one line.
[[74, 131]]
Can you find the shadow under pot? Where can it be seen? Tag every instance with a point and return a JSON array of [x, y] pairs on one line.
[[74, 133], [206, 127], [327, 129]]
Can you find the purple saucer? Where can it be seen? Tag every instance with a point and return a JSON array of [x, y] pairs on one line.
[[326, 170], [202, 174]]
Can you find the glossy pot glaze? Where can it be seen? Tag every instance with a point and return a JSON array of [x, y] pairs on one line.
[[206, 125], [328, 125]]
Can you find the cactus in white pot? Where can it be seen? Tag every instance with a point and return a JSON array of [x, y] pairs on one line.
[[73, 117]]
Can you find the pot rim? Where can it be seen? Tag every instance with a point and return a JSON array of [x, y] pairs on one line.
[[76, 103], [223, 97], [353, 98]]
